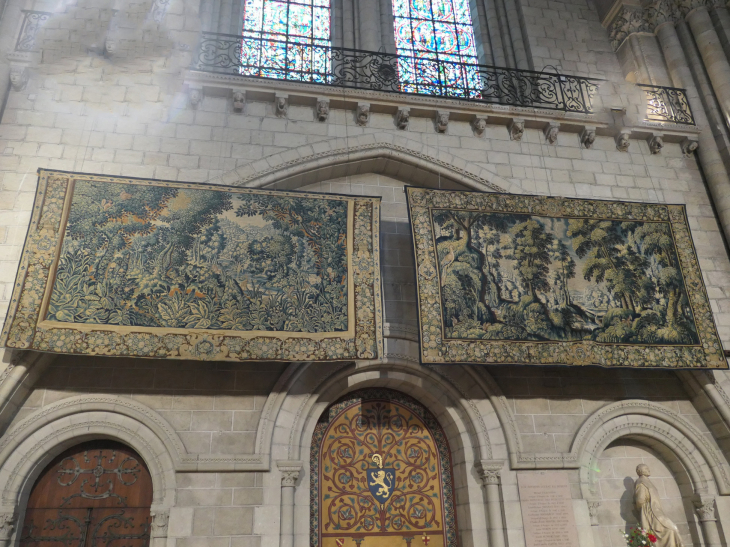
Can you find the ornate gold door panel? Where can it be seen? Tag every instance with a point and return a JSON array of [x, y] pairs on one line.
[[97, 494], [381, 475]]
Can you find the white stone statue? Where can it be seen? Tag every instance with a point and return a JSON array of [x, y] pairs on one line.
[[646, 498]]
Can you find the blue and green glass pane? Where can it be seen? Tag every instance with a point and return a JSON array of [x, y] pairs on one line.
[[435, 42], [287, 39]]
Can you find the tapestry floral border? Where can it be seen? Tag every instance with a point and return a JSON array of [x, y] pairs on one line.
[[442, 444], [23, 328], [434, 349]]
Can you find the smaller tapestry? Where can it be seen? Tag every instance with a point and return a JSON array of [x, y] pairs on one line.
[[144, 268], [537, 280], [380, 467]]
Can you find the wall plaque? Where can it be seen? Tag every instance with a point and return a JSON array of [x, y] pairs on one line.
[[547, 509], [537, 280], [144, 268]]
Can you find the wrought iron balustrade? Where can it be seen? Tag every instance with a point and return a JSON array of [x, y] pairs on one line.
[[254, 56], [667, 104], [32, 21]]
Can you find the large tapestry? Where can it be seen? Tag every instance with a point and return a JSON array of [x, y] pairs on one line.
[[380, 467], [120, 266], [553, 281]]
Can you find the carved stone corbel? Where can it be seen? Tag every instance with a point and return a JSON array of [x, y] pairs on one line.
[[516, 129], [656, 143], [588, 136], [195, 96], [442, 121], [480, 125], [362, 116], [18, 76], [623, 142], [239, 101], [110, 48], [7, 525], [593, 511], [403, 117], [323, 109], [689, 145], [281, 104], [552, 129]]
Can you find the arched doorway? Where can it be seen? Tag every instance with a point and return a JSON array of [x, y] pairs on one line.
[[381, 470], [95, 494]]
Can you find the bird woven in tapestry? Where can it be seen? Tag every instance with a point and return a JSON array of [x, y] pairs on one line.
[[144, 268], [537, 280]]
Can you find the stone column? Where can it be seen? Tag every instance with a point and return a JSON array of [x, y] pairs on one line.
[[643, 76], [495, 36], [289, 475], [706, 513], [489, 473], [7, 525], [713, 56], [158, 531], [717, 177], [387, 26], [721, 16], [368, 28]]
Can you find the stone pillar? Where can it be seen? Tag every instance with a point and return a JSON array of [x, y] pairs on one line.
[[368, 28], [705, 508], [489, 473], [7, 525], [495, 36], [717, 177], [289, 475], [158, 531], [643, 76], [387, 28], [713, 56], [721, 16], [515, 31]]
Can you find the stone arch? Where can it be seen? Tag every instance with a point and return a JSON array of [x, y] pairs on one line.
[[656, 426], [305, 390], [409, 161], [28, 447]]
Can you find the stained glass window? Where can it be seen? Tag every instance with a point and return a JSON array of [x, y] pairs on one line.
[[286, 39], [436, 48]]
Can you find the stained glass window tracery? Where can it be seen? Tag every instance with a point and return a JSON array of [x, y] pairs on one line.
[[436, 47], [286, 39]]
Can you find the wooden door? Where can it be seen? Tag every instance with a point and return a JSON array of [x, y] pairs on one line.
[[97, 494], [381, 473]]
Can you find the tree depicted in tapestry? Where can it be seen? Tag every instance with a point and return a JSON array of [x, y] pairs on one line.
[[167, 270], [574, 281]]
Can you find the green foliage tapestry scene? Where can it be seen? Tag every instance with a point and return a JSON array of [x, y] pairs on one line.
[[120, 266], [510, 279]]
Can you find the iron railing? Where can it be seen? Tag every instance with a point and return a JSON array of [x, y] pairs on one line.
[[32, 21], [377, 71], [667, 104]]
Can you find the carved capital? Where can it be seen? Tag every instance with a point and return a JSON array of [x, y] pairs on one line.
[[7, 525], [290, 470], [593, 511], [588, 136], [18, 76], [362, 115], [239, 101], [629, 20], [623, 142], [516, 129], [403, 117], [160, 520], [689, 145], [480, 125], [660, 12], [442, 121], [551, 132], [195, 96], [705, 509], [281, 104], [490, 472], [323, 109], [656, 143]]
